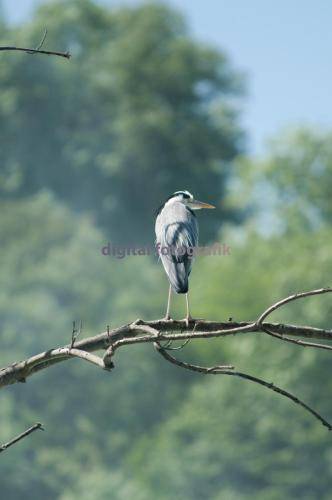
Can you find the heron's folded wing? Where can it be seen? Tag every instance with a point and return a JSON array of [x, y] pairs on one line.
[[177, 233]]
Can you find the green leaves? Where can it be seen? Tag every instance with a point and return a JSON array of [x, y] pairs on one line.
[[130, 119], [292, 185]]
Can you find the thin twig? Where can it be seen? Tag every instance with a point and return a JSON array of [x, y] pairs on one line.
[[75, 333], [224, 370], [34, 428], [168, 345], [177, 348], [42, 40]]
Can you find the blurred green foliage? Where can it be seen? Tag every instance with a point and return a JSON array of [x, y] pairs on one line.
[[140, 111], [88, 148]]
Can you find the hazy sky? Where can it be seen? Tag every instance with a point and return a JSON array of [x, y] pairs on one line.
[[284, 47]]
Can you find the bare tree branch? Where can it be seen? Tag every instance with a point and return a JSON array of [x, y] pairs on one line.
[[171, 330], [167, 330], [281, 303], [38, 50], [297, 341], [285, 301], [227, 370], [24, 434]]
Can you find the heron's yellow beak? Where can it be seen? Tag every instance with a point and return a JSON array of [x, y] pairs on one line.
[[197, 205]]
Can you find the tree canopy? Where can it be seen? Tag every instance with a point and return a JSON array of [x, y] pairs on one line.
[[142, 110]]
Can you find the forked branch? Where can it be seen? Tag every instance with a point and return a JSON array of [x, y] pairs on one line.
[[168, 331]]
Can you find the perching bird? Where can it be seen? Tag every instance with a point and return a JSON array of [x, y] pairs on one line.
[[176, 237]]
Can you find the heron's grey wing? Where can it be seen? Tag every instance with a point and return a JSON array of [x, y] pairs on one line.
[[176, 232]]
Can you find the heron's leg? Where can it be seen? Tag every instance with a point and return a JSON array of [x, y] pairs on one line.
[[167, 316], [188, 317]]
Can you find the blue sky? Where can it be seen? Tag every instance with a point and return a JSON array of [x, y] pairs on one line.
[[284, 47]]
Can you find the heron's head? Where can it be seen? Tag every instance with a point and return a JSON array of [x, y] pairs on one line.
[[188, 200]]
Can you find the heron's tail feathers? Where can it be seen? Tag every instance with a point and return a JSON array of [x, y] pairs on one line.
[[180, 289], [178, 277]]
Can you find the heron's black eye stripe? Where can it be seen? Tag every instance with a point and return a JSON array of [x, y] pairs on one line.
[[185, 195]]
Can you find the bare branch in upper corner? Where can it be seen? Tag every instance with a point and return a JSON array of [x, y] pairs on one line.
[[38, 50], [24, 434]]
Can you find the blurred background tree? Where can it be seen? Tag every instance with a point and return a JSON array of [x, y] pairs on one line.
[[141, 110], [88, 149]]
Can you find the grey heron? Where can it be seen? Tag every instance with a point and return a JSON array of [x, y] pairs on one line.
[[176, 238]]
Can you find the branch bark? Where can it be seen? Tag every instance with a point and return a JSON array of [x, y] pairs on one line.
[[132, 334], [174, 330]]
